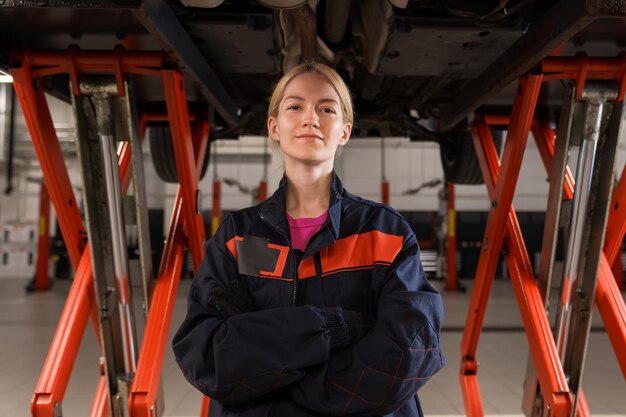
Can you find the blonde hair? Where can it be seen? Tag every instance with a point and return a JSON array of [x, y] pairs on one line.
[[316, 68]]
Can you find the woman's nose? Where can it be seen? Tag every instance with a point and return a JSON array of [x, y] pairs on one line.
[[310, 118]]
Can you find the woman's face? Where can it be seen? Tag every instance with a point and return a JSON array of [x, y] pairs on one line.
[[310, 123]]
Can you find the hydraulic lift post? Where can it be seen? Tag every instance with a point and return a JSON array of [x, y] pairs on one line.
[[94, 112], [559, 383], [27, 69], [594, 180]]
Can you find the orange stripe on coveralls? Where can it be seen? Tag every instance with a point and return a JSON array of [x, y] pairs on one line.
[[232, 245], [355, 252], [306, 268]]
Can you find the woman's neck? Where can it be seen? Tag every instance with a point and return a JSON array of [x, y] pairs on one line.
[[308, 192]]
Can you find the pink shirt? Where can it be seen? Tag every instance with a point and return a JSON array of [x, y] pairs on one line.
[[301, 230]]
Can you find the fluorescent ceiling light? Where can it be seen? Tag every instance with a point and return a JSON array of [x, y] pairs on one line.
[[5, 78]]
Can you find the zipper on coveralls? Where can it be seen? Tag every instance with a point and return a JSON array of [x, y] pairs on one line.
[[293, 257]]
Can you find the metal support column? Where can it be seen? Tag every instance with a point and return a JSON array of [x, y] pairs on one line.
[[216, 209], [96, 133], [41, 280], [554, 156], [263, 184], [262, 191], [384, 184], [7, 131], [594, 180], [452, 282], [132, 132]]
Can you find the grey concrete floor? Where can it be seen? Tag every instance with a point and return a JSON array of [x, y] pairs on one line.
[[28, 322]]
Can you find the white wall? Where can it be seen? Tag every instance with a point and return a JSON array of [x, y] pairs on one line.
[[23, 204], [407, 165], [411, 164]]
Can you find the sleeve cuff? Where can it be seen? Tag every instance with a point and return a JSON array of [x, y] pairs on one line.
[[337, 327]]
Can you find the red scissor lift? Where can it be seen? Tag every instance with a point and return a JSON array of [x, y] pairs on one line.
[[139, 391], [552, 386], [127, 380]]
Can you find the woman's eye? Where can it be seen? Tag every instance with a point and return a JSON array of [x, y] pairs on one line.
[[293, 107], [328, 110]]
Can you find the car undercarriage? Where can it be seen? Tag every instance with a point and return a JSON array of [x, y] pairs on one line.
[[415, 68]]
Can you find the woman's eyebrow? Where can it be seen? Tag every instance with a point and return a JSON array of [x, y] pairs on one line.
[[324, 100], [293, 98]]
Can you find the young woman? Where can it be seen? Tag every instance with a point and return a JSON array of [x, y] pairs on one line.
[[313, 302]]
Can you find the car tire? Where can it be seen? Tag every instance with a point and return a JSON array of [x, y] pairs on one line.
[[162, 150], [459, 160]]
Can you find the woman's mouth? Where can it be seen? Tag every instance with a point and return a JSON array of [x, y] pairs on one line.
[[311, 138]]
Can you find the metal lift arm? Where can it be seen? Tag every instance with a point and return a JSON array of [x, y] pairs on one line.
[[563, 21], [159, 19]]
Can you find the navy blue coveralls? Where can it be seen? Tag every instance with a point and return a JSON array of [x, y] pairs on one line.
[[276, 361]]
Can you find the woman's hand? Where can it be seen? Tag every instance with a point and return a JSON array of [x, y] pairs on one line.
[[358, 325], [346, 327]]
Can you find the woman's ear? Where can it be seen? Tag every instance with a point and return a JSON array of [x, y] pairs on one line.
[[272, 129], [345, 133]]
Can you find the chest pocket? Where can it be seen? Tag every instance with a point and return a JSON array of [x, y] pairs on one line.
[[257, 257], [263, 264]]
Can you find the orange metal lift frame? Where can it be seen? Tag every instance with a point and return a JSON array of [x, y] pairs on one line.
[[500, 179], [186, 225]]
